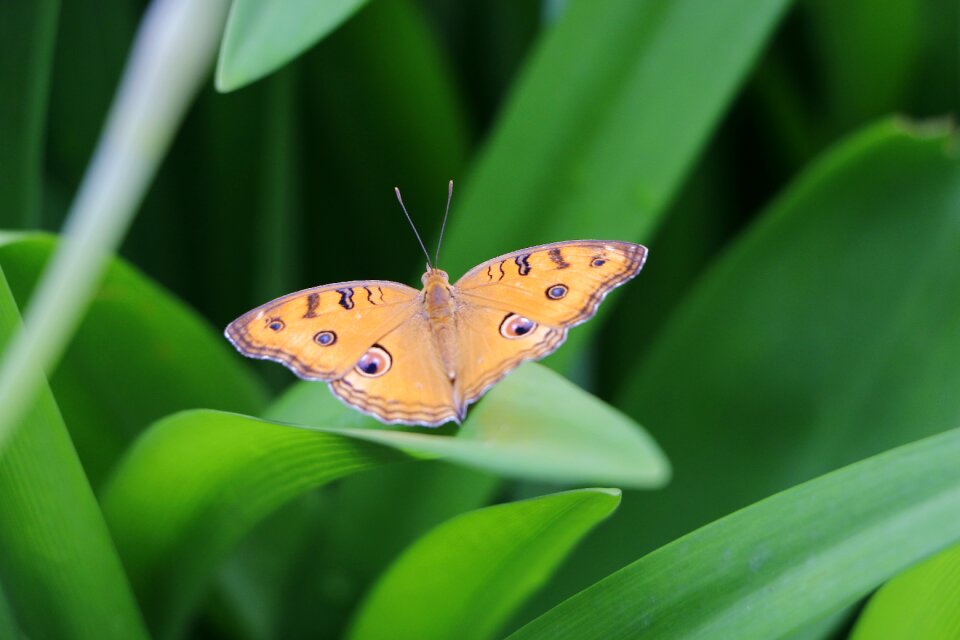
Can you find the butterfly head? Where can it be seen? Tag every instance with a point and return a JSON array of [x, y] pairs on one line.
[[434, 277]]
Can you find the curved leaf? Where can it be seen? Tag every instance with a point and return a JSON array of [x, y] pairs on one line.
[[470, 573], [195, 483], [168, 358], [262, 36], [918, 604], [781, 563], [534, 424], [57, 562]]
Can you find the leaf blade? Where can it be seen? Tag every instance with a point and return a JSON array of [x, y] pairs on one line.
[[479, 567], [748, 575], [261, 37]]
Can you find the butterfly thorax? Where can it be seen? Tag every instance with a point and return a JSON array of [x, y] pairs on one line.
[[440, 306]]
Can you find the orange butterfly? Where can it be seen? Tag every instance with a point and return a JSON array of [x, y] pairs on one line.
[[421, 357]]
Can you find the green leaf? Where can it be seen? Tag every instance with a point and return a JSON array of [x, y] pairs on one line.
[[471, 572], [808, 345], [920, 603], [781, 563], [167, 358], [260, 36], [604, 123], [27, 31], [534, 424], [57, 562], [196, 482]]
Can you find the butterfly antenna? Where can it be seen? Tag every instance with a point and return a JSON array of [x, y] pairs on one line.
[[443, 225], [413, 226]]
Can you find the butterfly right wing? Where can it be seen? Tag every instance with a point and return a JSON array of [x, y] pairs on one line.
[[321, 333]]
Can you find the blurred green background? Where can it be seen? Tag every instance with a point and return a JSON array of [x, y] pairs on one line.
[[792, 166]]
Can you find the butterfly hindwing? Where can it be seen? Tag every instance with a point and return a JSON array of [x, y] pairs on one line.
[[401, 379], [560, 284], [491, 343], [320, 333]]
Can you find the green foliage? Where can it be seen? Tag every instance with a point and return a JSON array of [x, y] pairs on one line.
[[57, 562], [261, 37], [798, 314], [919, 603], [786, 561], [479, 567]]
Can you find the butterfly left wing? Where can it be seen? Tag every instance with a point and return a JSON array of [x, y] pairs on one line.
[[320, 333], [401, 379], [519, 306]]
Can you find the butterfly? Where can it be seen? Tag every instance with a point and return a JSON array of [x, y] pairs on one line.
[[420, 357]]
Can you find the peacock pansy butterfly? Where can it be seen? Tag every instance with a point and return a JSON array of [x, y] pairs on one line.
[[421, 357]]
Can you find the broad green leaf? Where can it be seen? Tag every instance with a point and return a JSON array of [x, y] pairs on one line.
[[263, 36], [603, 124], [196, 482], [919, 604], [167, 358], [27, 31], [58, 566], [471, 572], [534, 424], [789, 560], [808, 345]]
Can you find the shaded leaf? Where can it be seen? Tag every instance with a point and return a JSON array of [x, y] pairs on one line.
[[27, 31], [262, 36]]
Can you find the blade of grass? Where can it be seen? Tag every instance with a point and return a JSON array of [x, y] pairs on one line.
[[471, 572], [788, 560], [262, 36], [138, 355], [919, 603], [27, 36], [603, 124], [57, 561], [169, 61]]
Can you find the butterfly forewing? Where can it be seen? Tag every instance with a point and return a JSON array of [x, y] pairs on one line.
[[321, 333], [560, 284]]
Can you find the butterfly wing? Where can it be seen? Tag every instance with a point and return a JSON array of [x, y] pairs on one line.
[[519, 306], [321, 333], [402, 379], [560, 284]]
